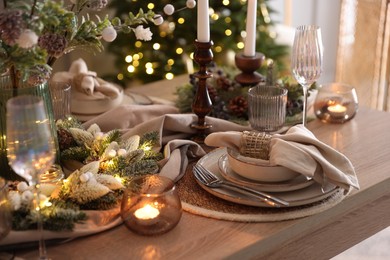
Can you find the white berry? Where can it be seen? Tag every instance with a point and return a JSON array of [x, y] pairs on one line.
[[122, 152], [22, 186], [99, 135], [112, 153], [27, 195]]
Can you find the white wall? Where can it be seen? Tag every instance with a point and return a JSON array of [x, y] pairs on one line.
[[326, 14]]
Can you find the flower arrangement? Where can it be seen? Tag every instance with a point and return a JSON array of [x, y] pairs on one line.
[[229, 97], [35, 33], [108, 163], [117, 156]]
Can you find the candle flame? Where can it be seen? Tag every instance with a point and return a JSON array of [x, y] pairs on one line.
[[147, 212]]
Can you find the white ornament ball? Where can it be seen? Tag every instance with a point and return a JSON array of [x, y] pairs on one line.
[[27, 39], [109, 34], [122, 152], [22, 186], [84, 177], [27, 195], [169, 9], [191, 3], [158, 19]]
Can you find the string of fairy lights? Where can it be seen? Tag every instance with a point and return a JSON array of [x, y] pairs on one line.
[[170, 52]]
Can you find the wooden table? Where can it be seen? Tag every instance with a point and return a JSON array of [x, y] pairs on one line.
[[365, 140]]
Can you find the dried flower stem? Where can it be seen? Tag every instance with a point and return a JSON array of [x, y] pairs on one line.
[[15, 81], [33, 8]]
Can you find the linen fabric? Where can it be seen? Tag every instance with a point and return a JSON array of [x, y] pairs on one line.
[[299, 150], [174, 130]]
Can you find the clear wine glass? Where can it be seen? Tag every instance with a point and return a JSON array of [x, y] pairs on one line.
[[30, 146], [306, 59]]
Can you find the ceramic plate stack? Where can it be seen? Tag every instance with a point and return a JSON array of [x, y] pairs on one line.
[[297, 190]]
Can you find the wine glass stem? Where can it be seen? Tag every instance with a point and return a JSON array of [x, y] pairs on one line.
[[304, 114], [42, 246]]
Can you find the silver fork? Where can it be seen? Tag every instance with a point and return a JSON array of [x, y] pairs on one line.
[[211, 180]]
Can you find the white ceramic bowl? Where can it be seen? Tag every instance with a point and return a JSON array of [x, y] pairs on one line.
[[258, 169]]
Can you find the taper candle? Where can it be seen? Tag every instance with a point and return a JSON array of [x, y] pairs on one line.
[[203, 21], [250, 39]]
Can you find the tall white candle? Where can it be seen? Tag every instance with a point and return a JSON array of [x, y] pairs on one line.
[[250, 39], [203, 21]]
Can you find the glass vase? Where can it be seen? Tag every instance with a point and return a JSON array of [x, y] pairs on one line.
[[7, 91]]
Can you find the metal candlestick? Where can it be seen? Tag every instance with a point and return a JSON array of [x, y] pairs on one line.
[[248, 65], [201, 106]]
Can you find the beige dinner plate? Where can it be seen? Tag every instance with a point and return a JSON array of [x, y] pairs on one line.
[[228, 173], [304, 196]]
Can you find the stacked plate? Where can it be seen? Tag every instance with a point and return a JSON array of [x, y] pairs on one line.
[[298, 190]]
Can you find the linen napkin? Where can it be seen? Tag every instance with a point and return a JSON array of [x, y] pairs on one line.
[[87, 86], [173, 128], [299, 150]]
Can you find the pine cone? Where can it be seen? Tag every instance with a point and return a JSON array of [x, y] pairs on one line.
[[11, 26], [212, 93], [65, 139], [54, 44], [223, 83], [238, 106]]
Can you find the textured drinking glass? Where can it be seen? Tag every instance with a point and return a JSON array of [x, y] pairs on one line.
[[336, 103], [30, 147], [267, 107], [61, 97], [151, 205], [306, 59], [5, 210]]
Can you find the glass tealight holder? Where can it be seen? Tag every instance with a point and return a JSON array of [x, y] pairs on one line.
[[151, 205], [51, 179], [336, 103], [267, 107]]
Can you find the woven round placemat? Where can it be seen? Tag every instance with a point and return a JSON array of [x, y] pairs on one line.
[[198, 201]]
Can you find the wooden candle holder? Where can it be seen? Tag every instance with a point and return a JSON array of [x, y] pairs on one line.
[[248, 66], [201, 105]]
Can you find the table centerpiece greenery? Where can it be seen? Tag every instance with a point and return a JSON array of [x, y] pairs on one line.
[[229, 97], [107, 163]]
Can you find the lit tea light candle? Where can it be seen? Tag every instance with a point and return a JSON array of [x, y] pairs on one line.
[[337, 110], [147, 214]]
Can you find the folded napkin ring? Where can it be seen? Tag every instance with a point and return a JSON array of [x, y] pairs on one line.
[[255, 144]]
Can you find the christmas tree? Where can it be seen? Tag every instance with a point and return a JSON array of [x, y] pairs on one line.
[[170, 50]]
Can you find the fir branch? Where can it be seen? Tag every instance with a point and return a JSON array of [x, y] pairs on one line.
[[60, 216], [77, 153], [151, 137], [141, 167], [105, 202]]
